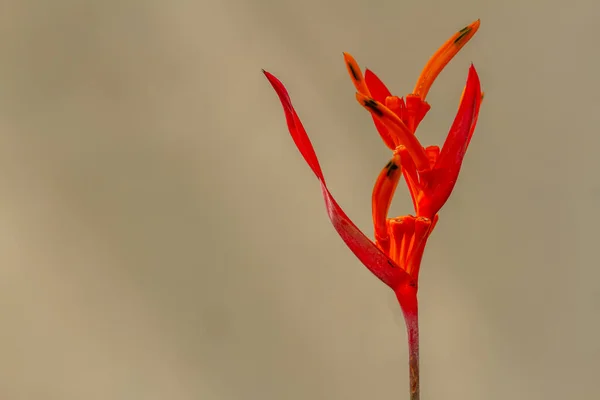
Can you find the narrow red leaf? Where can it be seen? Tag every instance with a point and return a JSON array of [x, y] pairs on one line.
[[364, 249]]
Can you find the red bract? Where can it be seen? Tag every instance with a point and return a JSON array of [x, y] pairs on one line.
[[366, 251], [430, 174]]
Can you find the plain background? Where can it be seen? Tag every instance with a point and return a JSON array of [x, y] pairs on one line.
[[162, 238]]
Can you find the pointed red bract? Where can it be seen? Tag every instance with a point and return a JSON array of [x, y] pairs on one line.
[[295, 126], [446, 169], [462, 129], [379, 92], [376, 86], [364, 249]]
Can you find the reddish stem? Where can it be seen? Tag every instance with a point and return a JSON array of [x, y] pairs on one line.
[[407, 297]]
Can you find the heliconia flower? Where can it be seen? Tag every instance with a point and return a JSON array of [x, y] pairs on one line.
[[430, 174]]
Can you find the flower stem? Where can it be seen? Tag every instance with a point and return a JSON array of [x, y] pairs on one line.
[[413, 354], [409, 305]]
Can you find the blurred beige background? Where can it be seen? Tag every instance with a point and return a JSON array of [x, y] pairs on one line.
[[161, 237]]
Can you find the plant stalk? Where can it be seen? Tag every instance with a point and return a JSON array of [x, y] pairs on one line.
[[410, 309]]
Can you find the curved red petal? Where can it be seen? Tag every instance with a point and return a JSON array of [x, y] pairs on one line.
[[364, 249]]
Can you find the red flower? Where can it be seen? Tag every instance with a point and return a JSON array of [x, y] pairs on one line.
[[430, 175]]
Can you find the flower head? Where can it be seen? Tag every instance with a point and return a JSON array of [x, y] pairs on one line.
[[430, 173]]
